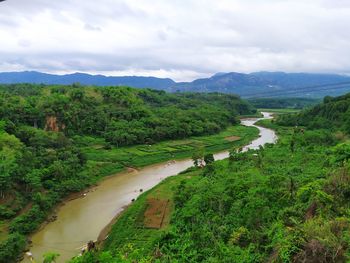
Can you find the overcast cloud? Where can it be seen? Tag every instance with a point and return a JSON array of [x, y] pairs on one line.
[[181, 39]]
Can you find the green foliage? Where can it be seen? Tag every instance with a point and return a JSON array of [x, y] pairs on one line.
[[270, 205], [55, 140], [11, 248], [209, 158], [283, 103], [287, 202], [122, 115], [341, 153], [198, 157], [332, 114]]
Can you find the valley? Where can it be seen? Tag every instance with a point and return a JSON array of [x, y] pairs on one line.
[[284, 202], [143, 194], [78, 217], [174, 131]]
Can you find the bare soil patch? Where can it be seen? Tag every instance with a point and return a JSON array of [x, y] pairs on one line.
[[3, 230], [155, 213], [52, 124], [131, 169], [232, 138]]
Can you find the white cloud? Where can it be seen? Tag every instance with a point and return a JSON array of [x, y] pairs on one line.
[[183, 39]]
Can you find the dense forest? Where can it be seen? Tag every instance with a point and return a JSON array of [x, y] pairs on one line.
[[123, 116], [283, 103], [287, 202], [42, 129], [333, 114]]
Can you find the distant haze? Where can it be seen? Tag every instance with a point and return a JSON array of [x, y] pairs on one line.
[[182, 39], [258, 84]]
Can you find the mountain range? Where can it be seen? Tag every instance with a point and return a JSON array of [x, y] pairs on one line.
[[257, 84]]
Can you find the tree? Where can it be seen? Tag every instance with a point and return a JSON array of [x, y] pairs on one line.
[[341, 153], [197, 157], [12, 247], [327, 99], [233, 155], [208, 158], [33, 179], [10, 148]]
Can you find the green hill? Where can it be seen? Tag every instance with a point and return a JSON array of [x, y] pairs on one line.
[[333, 114], [55, 140], [287, 202]]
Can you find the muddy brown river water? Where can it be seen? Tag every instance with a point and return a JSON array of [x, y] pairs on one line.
[[81, 220]]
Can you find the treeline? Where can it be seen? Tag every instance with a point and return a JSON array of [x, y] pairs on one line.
[[283, 103], [333, 114], [40, 161], [122, 115]]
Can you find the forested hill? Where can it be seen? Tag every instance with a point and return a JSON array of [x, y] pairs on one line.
[[333, 113], [47, 133], [285, 202], [283, 103], [121, 115]]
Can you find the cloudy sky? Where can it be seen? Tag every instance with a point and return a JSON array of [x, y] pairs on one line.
[[181, 39]]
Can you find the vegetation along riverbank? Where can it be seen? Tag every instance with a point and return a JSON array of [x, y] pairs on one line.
[[287, 202], [55, 140]]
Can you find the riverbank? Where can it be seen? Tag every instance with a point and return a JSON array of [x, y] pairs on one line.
[[298, 187], [111, 161], [171, 150], [131, 230], [281, 110]]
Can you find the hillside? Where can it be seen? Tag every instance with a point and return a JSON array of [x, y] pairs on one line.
[[56, 140], [283, 103], [259, 84], [269, 84], [287, 202], [333, 114]]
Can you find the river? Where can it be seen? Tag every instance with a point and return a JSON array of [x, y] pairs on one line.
[[82, 219]]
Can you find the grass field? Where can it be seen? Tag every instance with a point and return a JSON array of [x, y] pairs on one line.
[[280, 111], [136, 225], [130, 228], [3, 230], [109, 161], [130, 233]]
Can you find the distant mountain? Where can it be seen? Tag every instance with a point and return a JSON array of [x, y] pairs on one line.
[[270, 84], [257, 84], [238, 83], [85, 79]]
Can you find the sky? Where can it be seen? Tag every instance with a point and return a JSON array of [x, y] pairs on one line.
[[179, 39]]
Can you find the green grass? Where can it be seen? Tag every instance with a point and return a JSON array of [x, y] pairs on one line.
[[280, 111], [257, 115], [128, 233], [109, 161], [244, 188], [129, 227], [3, 231]]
